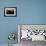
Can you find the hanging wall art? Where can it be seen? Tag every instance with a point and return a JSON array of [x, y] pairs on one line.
[[10, 11]]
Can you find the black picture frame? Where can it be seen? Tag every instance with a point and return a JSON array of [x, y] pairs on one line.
[[12, 13]]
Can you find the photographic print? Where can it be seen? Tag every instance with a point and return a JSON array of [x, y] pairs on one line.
[[32, 32], [10, 11]]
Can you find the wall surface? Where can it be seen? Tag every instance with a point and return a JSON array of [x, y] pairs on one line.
[[28, 12]]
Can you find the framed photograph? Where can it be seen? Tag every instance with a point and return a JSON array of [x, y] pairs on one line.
[[10, 11], [33, 32]]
